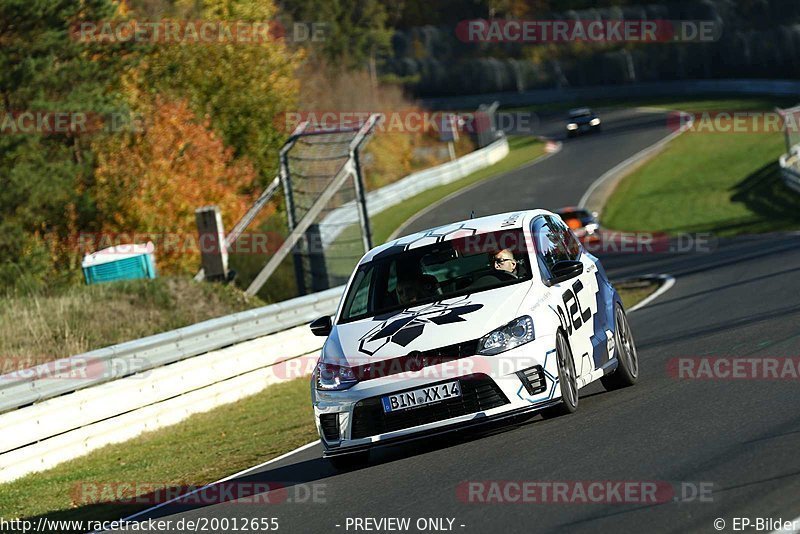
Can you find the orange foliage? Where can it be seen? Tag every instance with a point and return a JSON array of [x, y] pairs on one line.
[[153, 180]]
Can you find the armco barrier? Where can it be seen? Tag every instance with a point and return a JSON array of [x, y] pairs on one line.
[[627, 91], [47, 433], [167, 348], [393, 194]]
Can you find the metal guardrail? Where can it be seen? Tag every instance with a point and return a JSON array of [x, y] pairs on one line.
[[147, 353], [634, 90], [44, 434], [397, 192], [790, 169]]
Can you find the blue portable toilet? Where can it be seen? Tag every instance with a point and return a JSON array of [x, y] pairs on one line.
[[122, 262]]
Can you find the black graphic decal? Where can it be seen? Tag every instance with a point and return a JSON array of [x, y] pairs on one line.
[[574, 317], [405, 326]]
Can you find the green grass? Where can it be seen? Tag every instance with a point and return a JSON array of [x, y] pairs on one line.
[[40, 327], [203, 448], [633, 293], [727, 184], [199, 450]]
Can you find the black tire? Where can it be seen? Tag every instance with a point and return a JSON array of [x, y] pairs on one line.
[[568, 379], [348, 462], [627, 371]]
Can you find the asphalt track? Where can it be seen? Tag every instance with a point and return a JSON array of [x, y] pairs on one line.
[[741, 438]]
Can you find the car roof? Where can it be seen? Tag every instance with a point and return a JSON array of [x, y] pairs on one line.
[[580, 111], [480, 225]]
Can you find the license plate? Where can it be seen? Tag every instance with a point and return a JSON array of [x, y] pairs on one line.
[[421, 396]]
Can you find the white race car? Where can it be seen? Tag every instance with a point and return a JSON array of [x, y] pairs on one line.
[[458, 325]]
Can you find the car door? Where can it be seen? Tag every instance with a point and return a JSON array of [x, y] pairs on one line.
[[576, 304], [571, 299], [583, 305]]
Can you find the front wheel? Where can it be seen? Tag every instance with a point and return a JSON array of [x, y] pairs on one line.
[[568, 379], [627, 371]]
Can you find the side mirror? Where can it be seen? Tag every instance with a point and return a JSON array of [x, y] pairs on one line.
[[322, 326], [564, 270]]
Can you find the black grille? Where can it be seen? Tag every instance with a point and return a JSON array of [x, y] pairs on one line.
[[533, 379], [478, 393], [330, 426], [416, 361]]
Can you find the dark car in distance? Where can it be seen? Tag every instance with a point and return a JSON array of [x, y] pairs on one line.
[[582, 120]]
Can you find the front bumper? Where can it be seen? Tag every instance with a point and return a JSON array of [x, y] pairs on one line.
[[492, 388]]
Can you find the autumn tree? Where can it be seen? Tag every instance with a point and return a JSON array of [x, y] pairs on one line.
[[45, 179], [153, 180], [243, 87]]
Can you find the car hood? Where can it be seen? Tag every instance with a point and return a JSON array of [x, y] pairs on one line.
[[424, 327]]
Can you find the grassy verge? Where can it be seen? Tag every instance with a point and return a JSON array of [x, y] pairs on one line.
[[633, 293], [727, 184], [36, 328], [199, 450]]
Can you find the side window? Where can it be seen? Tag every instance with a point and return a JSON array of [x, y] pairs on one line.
[[570, 241], [391, 282], [358, 304], [550, 245]]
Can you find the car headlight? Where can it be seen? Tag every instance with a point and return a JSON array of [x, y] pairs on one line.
[[572, 126], [595, 122], [332, 377], [516, 333]]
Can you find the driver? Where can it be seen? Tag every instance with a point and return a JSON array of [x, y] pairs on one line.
[[408, 290], [504, 261], [412, 289]]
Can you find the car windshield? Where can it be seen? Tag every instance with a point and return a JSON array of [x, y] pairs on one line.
[[580, 114], [436, 272]]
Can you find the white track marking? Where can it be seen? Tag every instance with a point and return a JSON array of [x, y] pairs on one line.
[[668, 282], [235, 475]]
